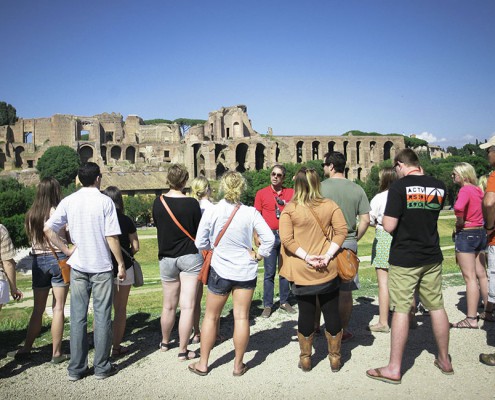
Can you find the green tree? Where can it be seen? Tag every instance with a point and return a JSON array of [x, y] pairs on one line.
[[59, 162], [8, 114], [185, 124], [138, 208], [15, 200], [157, 121]]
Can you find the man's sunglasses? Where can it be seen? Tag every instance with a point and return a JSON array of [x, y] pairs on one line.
[[278, 175]]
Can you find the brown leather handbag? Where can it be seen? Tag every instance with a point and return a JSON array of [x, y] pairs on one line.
[[347, 260]]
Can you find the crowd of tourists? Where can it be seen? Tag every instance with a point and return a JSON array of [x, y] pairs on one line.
[[298, 232]]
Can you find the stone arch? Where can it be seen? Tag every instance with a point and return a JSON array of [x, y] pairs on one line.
[[331, 146], [315, 150], [86, 153], [259, 156], [103, 152], [372, 151], [346, 144], [387, 150], [196, 147], [130, 154], [220, 170], [240, 157], [358, 152], [3, 159], [359, 171], [346, 172], [299, 151], [116, 153], [18, 156], [237, 132], [277, 152], [201, 164]]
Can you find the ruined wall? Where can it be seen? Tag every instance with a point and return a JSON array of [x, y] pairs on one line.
[[226, 141]]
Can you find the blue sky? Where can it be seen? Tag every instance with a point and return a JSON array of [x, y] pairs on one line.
[[302, 68]]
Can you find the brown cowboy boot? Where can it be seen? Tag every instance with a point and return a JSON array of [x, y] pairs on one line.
[[306, 345], [334, 343]]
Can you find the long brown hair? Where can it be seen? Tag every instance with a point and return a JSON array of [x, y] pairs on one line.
[[48, 195]]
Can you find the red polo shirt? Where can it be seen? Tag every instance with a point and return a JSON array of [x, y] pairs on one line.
[[266, 204]]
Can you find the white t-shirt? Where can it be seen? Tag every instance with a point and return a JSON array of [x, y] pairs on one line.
[[91, 217], [377, 205], [232, 259]]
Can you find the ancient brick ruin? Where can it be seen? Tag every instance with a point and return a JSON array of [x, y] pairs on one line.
[[226, 141]]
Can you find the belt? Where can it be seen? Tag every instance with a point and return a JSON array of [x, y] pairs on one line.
[[471, 228]]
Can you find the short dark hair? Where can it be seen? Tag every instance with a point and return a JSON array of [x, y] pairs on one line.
[[337, 159], [280, 167], [407, 157], [88, 173]]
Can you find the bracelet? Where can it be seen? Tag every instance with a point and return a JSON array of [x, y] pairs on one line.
[[306, 256], [489, 229]]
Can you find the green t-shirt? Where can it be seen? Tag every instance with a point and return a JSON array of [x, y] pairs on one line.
[[351, 199]]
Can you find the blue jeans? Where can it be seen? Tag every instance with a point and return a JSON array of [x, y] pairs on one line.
[[81, 286], [271, 263]]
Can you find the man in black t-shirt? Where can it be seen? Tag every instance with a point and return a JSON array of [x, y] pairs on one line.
[[413, 206]]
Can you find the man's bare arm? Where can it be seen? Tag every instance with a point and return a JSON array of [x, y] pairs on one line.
[[114, 244], [489, 209], [364, 223], [390, 223]]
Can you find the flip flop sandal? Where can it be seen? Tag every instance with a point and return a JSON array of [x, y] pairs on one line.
[[436, 363], [380, 377], [242, 371], [196, 371], [464, 324], [60, 359]]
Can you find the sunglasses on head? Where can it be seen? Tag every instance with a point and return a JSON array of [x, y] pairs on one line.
[[277, 174]]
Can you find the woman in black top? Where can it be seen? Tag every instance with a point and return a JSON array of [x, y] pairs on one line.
[[129, 242], [180, 261]]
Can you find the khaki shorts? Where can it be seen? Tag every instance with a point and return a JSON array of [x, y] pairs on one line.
[[403, 281]]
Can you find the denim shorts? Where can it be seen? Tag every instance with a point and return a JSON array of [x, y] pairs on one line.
[[189, 264], [46, 272], [220, 286], [470, 240]]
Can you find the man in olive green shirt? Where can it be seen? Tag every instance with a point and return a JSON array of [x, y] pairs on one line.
[[352, 200]]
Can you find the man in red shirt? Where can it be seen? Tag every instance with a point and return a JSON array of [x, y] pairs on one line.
[[270, 202], [489, 217]]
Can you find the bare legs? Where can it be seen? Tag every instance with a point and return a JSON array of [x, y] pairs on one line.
[[197, 311], [35, 322], [400, 332], [120, 298], [383, 298], [214, 306], [472, 270], [179, 292]]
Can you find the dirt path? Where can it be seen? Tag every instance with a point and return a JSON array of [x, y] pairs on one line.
[[272, 357]]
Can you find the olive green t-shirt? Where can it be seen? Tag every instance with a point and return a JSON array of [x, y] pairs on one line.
[[351, 199]]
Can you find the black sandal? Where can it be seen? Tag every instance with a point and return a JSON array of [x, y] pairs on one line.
[[185, 356], [164, 346]]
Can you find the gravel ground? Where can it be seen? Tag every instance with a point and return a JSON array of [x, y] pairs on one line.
[[272, 357]]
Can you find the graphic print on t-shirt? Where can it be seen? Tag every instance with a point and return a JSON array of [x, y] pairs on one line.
[[428, 198]]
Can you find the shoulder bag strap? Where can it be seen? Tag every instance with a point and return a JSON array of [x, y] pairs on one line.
[[217, 240], [320, 223], [126, 253], [175, 219], [51, 248]]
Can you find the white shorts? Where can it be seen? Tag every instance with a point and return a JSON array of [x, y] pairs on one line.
[[129, 278], [4, 291]]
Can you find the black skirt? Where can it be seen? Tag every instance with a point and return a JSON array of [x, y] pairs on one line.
[[310, 290]]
